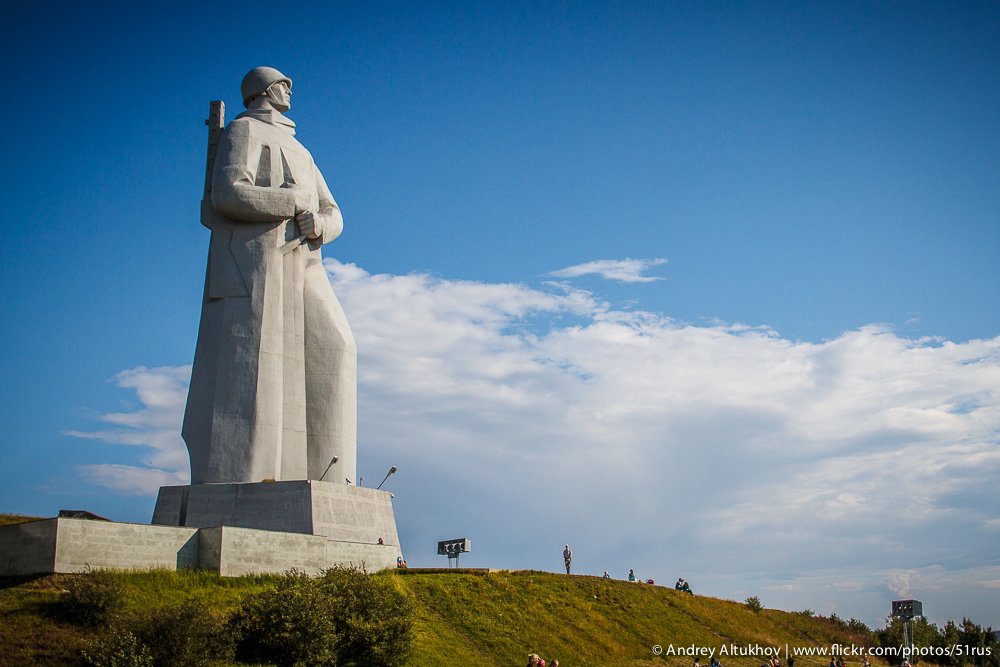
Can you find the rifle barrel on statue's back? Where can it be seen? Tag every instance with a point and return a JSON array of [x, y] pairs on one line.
[[216, 121]]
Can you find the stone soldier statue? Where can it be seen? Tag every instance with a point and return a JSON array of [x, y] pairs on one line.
[[273, 388]]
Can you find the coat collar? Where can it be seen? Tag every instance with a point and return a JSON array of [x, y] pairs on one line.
[[270, 116]]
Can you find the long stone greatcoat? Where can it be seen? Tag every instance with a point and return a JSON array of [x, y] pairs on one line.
[[273, 388]]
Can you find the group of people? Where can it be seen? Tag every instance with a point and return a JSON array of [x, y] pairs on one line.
[[775, 661], [715, 662], [631, 577], [681, 585], [839, 661], [535, 660]]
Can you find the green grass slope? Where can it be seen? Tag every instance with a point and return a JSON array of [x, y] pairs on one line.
[[462, 618], [7, 519], [498, 618]]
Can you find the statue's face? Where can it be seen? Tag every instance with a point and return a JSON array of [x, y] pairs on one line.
[[280, 94]]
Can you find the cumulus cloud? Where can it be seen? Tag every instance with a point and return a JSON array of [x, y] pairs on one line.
[[622, 270], [529, 417]]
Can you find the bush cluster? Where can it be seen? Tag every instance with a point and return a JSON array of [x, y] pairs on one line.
[[343, 617], [753, 604], [289, 624], [93, 598], [117, 647], [186, 634], [189, 633], [373, 619]]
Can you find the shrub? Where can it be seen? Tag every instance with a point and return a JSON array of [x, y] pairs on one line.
[[859, 627], [374, 620], [186, 634], [92, 598], [289, 624], [117, 647], [753, 604]]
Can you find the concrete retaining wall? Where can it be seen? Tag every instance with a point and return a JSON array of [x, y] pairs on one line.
[[72, 545], [123, 546], [26, 548], [243, 551]]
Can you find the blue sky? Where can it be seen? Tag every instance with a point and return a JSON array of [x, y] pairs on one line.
[[704, 289]]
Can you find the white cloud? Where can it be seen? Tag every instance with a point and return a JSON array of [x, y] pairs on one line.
[[527, 418], [623, 270], [899, 584], [155, 427], [132, 480]]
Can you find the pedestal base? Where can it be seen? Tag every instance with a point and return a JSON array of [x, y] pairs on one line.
[[336, 511]]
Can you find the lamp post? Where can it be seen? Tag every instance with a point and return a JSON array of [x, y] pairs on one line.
[[387, 475]]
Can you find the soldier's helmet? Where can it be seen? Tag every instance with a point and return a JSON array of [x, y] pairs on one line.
[[258, 80]]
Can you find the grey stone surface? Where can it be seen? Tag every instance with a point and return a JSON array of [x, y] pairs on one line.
[[26, 548], [73, 545], [171, 506], [334, 511], [273, 387], [128, 546], [244, 551]]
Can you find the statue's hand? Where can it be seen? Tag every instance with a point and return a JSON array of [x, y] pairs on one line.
[[309, 225]]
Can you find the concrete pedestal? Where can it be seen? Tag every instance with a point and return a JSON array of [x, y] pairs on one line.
[[336, 511]]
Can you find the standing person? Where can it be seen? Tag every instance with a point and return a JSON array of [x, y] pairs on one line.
[[791, 661], [606, 575], [567, 557], [715, 662], [273, 391], [631, 575]]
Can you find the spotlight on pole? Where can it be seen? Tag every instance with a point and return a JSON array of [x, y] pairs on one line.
[[332, 461], [387, 475]]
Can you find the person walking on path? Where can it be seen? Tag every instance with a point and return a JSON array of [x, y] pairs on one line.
[[567, 557]]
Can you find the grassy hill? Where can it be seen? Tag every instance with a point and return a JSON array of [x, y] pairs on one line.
[[462, 618], [498, 618]]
